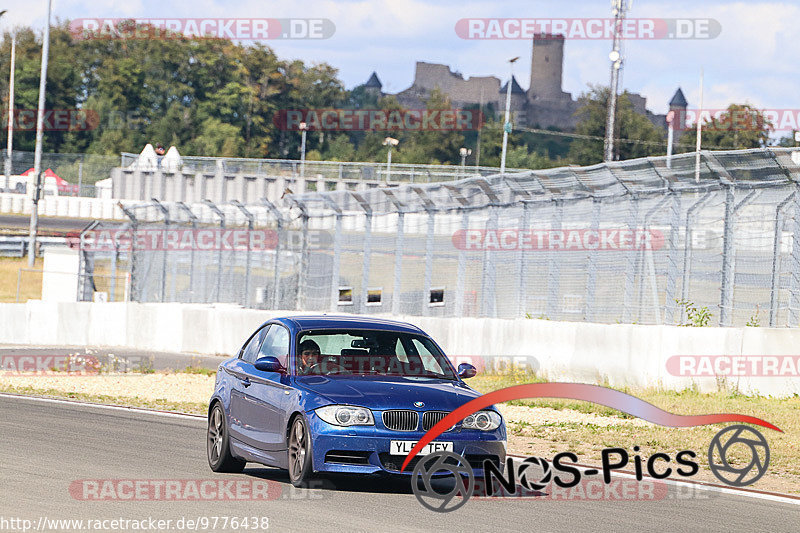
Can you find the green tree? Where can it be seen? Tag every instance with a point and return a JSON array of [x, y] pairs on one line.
[[740, 126], [636, 135]]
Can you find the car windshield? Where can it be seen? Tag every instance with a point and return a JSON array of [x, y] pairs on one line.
[[359, 352]]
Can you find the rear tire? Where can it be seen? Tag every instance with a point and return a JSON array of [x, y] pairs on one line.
[[300, 468], [218, 444]]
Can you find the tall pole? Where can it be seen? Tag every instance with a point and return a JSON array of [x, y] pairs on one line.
[[507, 121], [10, 111], [699, 133], [37, 156], [303, 128], [616, 64], [670, 136]]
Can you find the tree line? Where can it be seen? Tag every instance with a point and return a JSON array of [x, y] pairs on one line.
[[213, 97]]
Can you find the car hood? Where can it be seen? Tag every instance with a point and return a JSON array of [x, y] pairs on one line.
[[389, 392]]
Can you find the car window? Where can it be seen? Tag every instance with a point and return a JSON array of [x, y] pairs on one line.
[[428, 359], [251, 348], [363, 352], [276, 344]]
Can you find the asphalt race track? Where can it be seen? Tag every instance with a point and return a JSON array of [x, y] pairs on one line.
[[46, 446]]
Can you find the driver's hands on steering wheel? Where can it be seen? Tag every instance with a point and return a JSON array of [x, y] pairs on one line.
[[327, 366]]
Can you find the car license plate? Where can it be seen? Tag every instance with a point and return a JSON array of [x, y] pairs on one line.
[[403, 447]]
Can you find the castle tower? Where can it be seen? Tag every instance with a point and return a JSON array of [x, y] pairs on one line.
[[547, 63], [374, 85], [678, 104]]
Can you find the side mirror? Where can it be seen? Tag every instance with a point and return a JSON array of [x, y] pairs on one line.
[[269, 364], [466, 370]]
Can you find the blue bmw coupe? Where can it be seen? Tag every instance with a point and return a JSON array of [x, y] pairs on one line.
[[342, 394]]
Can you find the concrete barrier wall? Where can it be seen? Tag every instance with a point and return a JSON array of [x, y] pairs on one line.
[[63, 206], [619, 355]]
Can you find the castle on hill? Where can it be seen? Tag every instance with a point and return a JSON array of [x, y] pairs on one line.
[[545, 104]]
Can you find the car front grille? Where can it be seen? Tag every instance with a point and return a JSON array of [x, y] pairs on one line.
[[431, 418], [401, 420], [393, 463]]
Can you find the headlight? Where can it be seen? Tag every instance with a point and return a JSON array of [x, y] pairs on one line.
[[482, 420], [346, 415]]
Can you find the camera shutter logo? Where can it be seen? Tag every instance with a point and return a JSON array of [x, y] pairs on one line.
[[741, 437], [527, 477], [450, 463]]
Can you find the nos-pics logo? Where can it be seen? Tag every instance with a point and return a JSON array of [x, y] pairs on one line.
[[444, 481]]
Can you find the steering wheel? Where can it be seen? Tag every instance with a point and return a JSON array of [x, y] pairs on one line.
[[330, 367]]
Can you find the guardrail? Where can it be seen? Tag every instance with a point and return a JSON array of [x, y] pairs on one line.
[[13, 246]]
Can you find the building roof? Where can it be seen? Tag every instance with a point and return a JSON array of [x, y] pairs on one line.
[[373, 81], [515, 88], [678, 100]]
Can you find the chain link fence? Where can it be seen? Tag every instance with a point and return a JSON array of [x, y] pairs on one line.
[[649, 241], [369, 171], [80, 170]]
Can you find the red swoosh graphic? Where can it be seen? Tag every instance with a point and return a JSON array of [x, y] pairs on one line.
[[580, 391]]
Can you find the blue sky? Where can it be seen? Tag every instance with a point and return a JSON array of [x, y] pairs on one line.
[[756, 58]]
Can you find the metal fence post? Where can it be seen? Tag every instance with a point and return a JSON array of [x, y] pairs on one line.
[[276, 274], [398, 263], [462, 266], [522, 264], [165, 212], [591, 266], [134, 296], [794, 287], [337, 252], [687, 250], [429, 240], [630, 269], [489, 288], [303, 274], [729, 252], [250, 226], [211, 205], [672, 268], [367, 249], [647, 255], [774, 294], [193, 218], [553, 267]]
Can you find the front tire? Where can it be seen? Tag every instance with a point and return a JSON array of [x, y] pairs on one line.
[[300, 469], [218, 444]]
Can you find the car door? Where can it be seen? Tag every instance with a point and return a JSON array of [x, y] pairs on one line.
[[266, 394], [240, 423]]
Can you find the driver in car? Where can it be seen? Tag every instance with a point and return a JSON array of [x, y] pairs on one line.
[[309, 356]]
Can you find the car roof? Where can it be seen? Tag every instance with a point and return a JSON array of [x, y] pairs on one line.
[[306, 322]]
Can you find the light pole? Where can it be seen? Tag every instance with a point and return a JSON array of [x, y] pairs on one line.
[[620, 6], [464, 152], [670, 136], [303, 129], [390, 142], [37, 155], [507, 121], [10, 111]]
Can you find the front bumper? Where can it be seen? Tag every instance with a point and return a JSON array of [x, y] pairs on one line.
[[366, 449]]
